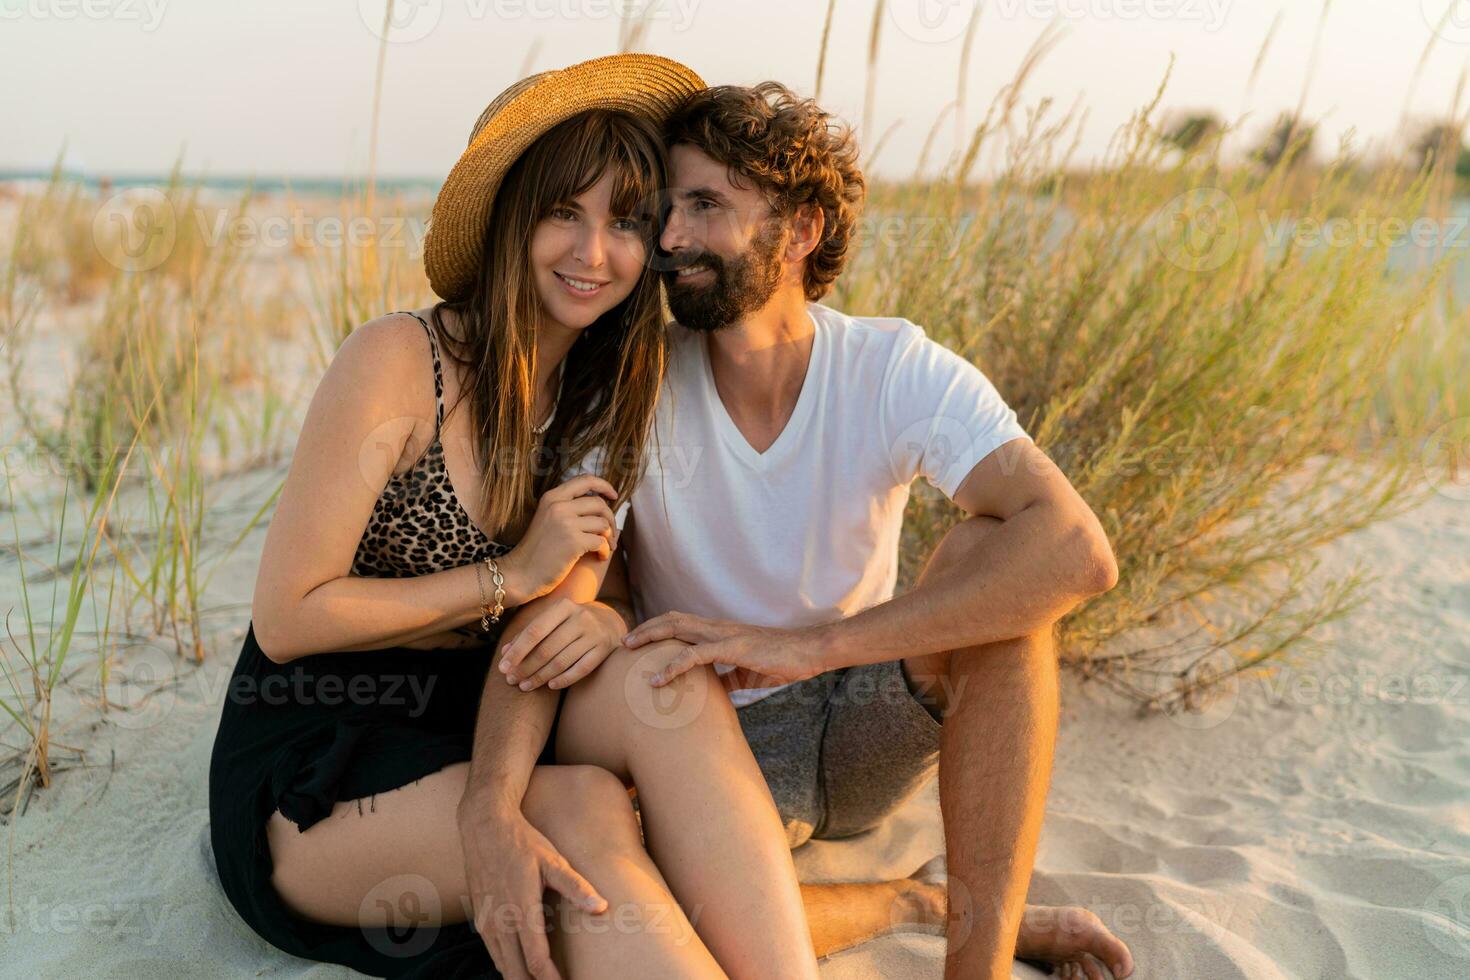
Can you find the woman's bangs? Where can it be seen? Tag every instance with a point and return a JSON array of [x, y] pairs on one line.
[[608, 144]]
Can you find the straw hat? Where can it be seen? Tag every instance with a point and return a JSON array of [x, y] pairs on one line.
[[638, 83]]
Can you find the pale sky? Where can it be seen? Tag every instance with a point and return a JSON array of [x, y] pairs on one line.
[[275, 87]]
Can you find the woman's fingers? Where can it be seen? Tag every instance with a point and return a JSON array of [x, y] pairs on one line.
[[557, 642], [596, 544], [594, 524], [543, 625], [592, 507], [585, 665], [558, 665], [579, 485]]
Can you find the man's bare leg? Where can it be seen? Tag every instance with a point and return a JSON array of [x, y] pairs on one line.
[[844, 915], [999, 706], [841, 916]]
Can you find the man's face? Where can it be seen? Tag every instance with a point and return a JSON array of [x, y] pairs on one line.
[[726, 247]]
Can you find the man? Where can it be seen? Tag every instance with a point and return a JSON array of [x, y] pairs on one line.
[[764, 540]]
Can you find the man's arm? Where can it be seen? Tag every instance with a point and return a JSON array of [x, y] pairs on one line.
[[511, 729], [1048, 554], [508, 863], [512, 725]]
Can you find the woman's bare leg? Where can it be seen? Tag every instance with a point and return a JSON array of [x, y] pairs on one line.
[[708, 815], [403, 851]]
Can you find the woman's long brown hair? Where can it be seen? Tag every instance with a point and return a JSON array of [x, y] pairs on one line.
[[612, 373]]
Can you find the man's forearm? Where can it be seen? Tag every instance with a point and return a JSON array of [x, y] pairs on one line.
[[1026, 574], [511, 728]]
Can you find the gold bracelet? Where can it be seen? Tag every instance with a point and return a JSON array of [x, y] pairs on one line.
[[484, 603], [487, 614]]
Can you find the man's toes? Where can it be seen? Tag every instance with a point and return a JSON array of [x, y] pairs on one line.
[[1111, 950], [1092, 969], [921, 903]]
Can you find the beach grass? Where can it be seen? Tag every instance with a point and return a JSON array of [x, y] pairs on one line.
[[1235, 357], [1227, 391]]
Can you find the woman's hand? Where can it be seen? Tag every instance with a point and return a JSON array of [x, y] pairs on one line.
[[564, 643], [571, 520]]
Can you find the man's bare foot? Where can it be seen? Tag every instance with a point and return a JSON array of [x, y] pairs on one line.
[[923, 896], [1075, 941], [1072, 939]]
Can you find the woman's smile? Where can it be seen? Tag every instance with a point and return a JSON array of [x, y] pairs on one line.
[[580, 286]]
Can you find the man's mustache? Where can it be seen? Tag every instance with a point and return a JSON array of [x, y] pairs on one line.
[[674, 261]]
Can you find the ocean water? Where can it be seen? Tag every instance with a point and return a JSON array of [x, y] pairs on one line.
[[229, 183]]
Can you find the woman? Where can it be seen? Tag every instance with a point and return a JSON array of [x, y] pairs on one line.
[[406, 534]]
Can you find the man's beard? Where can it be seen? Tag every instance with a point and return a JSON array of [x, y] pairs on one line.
[[741, 286]]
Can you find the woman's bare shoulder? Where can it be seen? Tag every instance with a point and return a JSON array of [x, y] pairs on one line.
[[389, 359]]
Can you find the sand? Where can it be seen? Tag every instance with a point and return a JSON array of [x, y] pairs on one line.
[[1314, 825]]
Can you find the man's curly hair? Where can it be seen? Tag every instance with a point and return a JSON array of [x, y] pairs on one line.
[[790, 149]]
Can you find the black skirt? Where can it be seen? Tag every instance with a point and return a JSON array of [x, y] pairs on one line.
[[302, 736]]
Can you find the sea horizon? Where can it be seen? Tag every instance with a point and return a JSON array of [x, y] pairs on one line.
[[298, 183]]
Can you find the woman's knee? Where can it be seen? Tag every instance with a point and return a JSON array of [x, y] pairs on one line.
[[580, 804], [623, 685]]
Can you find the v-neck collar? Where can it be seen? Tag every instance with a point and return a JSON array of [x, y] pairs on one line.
[[791, 433]]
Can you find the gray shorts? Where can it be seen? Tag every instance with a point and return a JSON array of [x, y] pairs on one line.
[[842, 750]]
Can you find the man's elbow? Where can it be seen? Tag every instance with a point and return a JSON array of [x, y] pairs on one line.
[[1097, 568]]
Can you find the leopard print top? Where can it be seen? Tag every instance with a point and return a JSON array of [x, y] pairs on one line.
[[418, 524]]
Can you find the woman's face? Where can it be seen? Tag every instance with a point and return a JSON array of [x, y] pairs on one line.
[[584, 259]]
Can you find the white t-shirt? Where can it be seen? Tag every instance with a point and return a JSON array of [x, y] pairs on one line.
[[806, 532]]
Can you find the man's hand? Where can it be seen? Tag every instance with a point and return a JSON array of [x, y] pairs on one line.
[[508, 865], [763, 656]]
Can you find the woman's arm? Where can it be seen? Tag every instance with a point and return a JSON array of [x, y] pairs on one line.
[[368, 409]]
